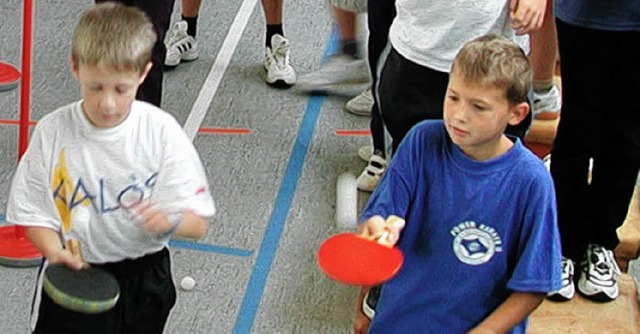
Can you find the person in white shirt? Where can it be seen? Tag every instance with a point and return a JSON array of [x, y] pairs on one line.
[[116, 174]]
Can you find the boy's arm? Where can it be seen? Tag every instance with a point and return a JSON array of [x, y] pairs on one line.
[[510, 313], [48, 242], [192, 226], [184, 224]]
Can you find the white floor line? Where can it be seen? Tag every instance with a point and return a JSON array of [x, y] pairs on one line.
[[219, 67]]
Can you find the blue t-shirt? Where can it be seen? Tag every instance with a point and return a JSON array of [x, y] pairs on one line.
[[475, 232], [615, 15]]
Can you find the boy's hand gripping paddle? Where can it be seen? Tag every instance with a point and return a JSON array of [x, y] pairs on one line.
[[88, 290], [351, 259]]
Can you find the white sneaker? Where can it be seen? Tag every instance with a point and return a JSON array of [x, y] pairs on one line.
[[371, 175], [547, 161], [340, 69], [546, 106], [180, 46], [365, 152], [361, 105], [280, 73], [599, 275], [370, 301], [568, 289]]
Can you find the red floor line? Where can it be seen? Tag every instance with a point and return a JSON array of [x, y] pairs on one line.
[[226, 131], [14, 122], [353, 133]]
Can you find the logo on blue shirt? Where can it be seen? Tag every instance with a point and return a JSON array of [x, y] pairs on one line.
[[474, 244]]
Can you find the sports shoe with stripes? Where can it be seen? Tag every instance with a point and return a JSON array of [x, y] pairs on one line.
[[599, 275], [277, 63], [568, 289], [180, 46]]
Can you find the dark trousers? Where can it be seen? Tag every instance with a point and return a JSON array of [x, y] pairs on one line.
[[147, 294], [159, 11], [600, 119], [410, 93], [380, 15]]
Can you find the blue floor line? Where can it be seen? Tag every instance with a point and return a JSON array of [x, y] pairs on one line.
[[210, 248], [275, 226]]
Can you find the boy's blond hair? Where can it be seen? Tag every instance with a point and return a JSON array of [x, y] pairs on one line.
[[495, 60], [114, 35]]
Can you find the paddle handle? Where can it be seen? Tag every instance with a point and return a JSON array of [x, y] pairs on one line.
[[392, 221], [74, 247]]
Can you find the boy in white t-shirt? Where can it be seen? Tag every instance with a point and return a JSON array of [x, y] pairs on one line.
[[116, 174]]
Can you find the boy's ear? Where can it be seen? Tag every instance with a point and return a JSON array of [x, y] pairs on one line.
[[518, 113], [145, 72], [74, 67]]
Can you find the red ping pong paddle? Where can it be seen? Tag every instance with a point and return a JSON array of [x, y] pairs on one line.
[[351, 259]]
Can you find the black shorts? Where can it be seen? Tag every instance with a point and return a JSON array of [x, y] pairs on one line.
[[147, 294]]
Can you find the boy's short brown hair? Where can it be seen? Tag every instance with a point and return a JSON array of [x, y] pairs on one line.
[[114, 35], [495, 60]]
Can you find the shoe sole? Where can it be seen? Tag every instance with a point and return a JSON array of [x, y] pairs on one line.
[[186, 60], [279, 84], [358, 112], [558, 298], [599, 297]]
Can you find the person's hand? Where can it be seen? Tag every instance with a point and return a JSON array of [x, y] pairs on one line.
[[151, 219], [526, 15], [65, 257], [384, 231]]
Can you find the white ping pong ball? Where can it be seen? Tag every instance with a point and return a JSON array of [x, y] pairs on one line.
[[187, 283]]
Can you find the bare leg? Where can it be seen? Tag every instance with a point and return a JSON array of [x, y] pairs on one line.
[[544, 48], [272, 11], [280, 73], [346, 21], [190, 8]]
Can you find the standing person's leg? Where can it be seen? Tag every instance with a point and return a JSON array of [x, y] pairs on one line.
[[182, 44], [344, 72], [600, 122], [190, 11], [273, 18], [617, 157], [159, 11], [544, 50], [380, 16], [576, 138], [280, 73]]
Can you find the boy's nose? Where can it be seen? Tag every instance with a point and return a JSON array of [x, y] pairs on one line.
[[107, 101]]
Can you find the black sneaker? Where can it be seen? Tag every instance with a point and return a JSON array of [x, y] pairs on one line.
[[599, 275], [370, 301]]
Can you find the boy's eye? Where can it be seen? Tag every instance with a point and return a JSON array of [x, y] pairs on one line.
[[453, 98], [480, 107]]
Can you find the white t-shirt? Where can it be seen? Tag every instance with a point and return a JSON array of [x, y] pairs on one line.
[[82, 181], [430, 33]]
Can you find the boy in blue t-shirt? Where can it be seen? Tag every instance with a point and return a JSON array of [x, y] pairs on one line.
[[480, 242]]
